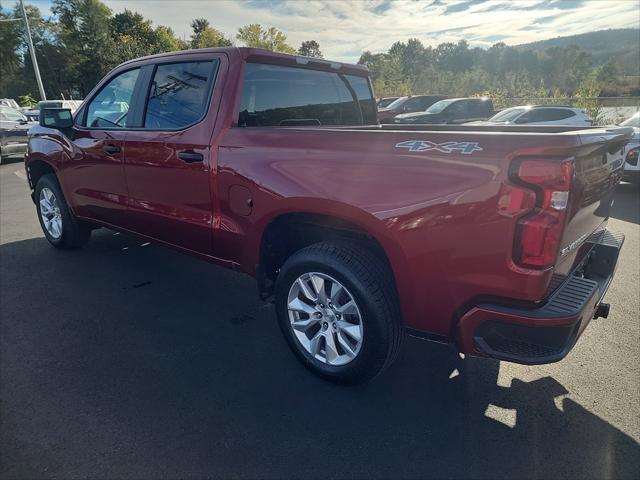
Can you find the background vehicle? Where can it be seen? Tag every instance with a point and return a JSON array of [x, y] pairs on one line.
[[385, 102], [414, 103], [632, 150], [452, 110], [9, 102], [13, 132], [539, 115], [356, 233], [33, 114]]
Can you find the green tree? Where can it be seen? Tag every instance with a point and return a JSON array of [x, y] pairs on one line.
[[205, 36], [166, 41], [86, 37], [586, 97], [10, 61], [254, 35], [310, 48], [27, 101]]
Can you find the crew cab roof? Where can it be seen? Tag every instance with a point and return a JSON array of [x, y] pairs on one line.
[[260, 55]]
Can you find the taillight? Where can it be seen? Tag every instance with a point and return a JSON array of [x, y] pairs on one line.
[[539, 233], [632, 156]]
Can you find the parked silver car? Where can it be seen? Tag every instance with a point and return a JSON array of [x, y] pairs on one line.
[[13, 132]]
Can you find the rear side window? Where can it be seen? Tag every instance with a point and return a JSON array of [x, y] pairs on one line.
[[179, 94], [548, 114], [287, 96]]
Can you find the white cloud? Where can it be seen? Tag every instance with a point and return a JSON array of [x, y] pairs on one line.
[[346, 28]]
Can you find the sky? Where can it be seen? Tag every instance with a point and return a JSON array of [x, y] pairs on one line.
[[346, 28]]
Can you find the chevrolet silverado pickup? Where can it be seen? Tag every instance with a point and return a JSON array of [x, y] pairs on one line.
[[491, 239]]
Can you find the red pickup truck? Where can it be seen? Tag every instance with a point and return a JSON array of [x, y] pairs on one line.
[[491, 239]]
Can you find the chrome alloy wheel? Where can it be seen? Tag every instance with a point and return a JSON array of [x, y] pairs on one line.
[[325, 318], [50, 213]]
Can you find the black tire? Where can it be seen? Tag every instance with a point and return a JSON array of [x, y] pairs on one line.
[[74, 233], [370, 282]]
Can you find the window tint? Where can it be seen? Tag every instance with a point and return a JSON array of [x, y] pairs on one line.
[[288, 96], [361, 88], [179, 94], [548, 114], [11, 115], [413, 104], [480, 107], [109, 108], [558, 114]]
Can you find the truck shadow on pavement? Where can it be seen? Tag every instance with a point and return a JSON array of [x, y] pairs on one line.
[[130, 361], [626, 205]]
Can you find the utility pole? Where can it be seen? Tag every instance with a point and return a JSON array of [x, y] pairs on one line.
[[33, 53]]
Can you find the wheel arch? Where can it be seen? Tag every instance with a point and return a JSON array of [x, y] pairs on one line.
[[306, 221], [36, 167]]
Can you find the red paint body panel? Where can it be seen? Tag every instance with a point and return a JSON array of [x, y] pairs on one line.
[[446, 221]]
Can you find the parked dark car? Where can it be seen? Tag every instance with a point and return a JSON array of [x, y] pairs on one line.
[[452, 110], [386, 101], [13, 132], [415, 103]]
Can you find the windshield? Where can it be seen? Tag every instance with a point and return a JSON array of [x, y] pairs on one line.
[[385, 102], [440, 106], [632, 122], [508, 115], [9, 102], [12, 115], [397, 103]]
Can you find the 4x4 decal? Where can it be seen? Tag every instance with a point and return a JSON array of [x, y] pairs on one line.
[[446, 147]]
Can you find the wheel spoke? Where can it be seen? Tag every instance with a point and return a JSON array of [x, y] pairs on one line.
[[306, 291], [336, 290], [350, 329], [303, 325], [319, 285], [45, 207], [346, 346], [298, 305], [330, 348], [57, 222], [348, 308], [314, 343]]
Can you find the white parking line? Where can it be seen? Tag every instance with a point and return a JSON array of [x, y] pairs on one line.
[[21, 174]]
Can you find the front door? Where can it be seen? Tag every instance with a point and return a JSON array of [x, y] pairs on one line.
[[94, 176], [168, 161]]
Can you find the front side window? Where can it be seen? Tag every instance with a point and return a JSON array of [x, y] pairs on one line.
[[179, 94], [508, 115], [555, 114], [109, 108], [12, 115], [287, 96], [440, 106]]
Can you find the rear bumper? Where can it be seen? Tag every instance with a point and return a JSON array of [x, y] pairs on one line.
[[14, 148], [545, 334], [631, 176]]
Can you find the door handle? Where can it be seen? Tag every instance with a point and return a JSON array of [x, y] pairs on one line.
[[111, 149], [190, 157]]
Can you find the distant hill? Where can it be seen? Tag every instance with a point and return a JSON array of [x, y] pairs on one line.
[[622, 43]]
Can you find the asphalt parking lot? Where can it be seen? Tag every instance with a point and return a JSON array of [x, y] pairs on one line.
[[124, 360]]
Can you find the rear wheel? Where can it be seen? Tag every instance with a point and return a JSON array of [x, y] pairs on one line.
[[59, 226], [338, 311]]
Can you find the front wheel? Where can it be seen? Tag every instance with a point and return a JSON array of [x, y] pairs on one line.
[[59, 226], [338, 310]]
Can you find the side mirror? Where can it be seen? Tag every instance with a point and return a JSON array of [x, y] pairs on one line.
[[59, 118]]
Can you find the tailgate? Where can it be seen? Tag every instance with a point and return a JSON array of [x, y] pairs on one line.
[[598, 166]]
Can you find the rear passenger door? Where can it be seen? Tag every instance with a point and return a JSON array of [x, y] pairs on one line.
[[168, 160]]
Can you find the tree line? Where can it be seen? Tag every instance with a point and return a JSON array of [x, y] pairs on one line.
[[84, 40]]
